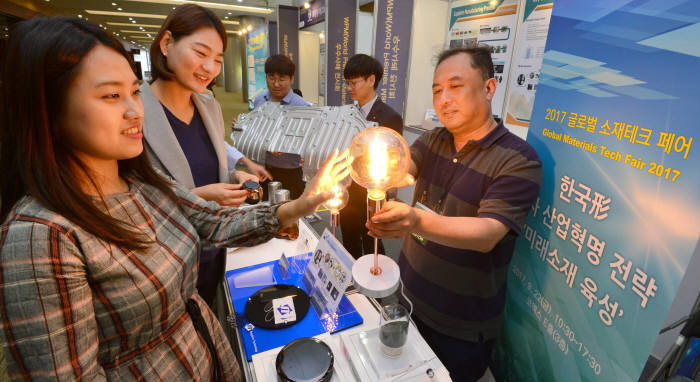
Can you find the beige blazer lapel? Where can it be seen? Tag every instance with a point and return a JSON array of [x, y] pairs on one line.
[[210, 111], [162, 141]]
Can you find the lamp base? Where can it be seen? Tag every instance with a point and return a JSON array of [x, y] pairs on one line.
[[375, 286]]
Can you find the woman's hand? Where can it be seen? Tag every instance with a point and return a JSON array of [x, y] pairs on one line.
[[256, 169], [229, 195], [318, 189], [240, 177]]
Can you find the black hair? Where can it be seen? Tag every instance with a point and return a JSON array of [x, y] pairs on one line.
[[280, 64], [44, 57], [362, 65], [480, 58]]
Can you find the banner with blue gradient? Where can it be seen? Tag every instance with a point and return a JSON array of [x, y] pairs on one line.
[[603, 251], [256, 52]]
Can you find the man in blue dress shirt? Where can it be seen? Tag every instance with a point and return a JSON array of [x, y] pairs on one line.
[[285, 167]]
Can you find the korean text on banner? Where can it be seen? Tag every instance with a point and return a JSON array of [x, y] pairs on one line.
[[392, 40], [604, 249], [341, 25]]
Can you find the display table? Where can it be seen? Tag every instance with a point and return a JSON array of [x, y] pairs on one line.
[[262, 367]]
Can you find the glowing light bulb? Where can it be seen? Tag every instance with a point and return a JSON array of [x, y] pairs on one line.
[[339, 200], [381, 159]]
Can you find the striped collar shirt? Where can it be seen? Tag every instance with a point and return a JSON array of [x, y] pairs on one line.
[[461, 292]]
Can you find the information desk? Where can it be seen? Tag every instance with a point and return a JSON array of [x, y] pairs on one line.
[[262, 367]]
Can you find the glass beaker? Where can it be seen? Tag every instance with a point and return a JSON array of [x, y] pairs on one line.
[[393, 329]]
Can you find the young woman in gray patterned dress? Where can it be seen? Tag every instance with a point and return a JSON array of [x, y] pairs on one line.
[[98, 253]]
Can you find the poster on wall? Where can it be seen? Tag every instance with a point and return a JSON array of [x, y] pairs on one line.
[[288, 35], [603, 251], [392, 41], [257, 53], [341, 23], [313, 15], [489, 22], [525, 66]]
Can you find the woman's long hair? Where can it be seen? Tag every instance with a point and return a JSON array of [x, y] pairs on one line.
[[43, 58]]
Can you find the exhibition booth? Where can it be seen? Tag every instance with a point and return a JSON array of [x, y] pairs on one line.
[[606, 247], [601, 285]]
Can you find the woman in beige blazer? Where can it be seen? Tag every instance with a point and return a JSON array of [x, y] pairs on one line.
[[183, 125]]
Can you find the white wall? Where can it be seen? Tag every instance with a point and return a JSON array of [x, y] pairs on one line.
[[365, 33], [427, 40], [308, 70]]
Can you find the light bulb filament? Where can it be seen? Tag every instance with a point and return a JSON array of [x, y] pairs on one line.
[[336, 201], [378, 160]]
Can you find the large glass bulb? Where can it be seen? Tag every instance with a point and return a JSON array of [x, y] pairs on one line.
[[380, 160]]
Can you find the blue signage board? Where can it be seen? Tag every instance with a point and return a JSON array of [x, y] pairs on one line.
[[341, 25], [316, 13], [605, 247], [392, 41], [288, 35], [256, 54]]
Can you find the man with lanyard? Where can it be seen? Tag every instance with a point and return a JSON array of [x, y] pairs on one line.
[[284, 167], [476, 182], [363, 74]]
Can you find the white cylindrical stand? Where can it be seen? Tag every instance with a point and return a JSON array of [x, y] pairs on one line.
[[375, 286]]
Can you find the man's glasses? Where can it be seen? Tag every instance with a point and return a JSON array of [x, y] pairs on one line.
[[352, 84], [277, 79]]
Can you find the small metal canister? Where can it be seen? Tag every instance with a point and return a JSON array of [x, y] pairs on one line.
[[271, 188], [281, 195]]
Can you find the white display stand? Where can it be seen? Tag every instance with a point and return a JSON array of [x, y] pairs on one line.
[[262, 368]]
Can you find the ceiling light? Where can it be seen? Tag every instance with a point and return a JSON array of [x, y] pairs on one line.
[[119, 9], [249, 28], [229, 13], [133, 21], [232, 22], [123, 14], [149, 35], [321, 35], [307, 5], [101, 26], [240, 33], [240, 1], [134, 25], [115, 4], [226, 17], [207, 4], [130, 18]]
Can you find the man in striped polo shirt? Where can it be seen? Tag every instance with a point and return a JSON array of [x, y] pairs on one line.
[[475, 183]]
